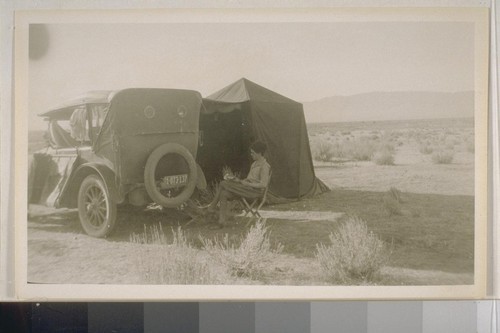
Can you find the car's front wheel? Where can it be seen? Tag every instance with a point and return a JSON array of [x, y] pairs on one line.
[[96, 210]]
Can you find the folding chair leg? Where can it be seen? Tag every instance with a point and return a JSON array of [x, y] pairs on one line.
[[249, 208], [252, 208]]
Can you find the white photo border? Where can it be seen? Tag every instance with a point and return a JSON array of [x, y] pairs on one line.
[[84, 292]]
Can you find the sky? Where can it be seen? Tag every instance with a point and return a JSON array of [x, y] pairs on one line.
[[303, 61]]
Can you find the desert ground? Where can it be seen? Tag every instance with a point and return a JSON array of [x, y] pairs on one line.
[[411, 182]]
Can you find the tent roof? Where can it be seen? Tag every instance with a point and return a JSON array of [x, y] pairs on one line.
[[244, 90]]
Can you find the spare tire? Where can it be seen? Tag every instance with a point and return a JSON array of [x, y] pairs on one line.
[[161, 184]]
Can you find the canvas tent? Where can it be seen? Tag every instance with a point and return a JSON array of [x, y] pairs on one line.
[[244, 112]]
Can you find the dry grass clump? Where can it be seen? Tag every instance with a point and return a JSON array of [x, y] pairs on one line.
[[364, 148], [174, 262], [383, 157], [442, 157], [426, 149], [248, 258], [354, 254], [395, 193], [151, 235], [323, 151], [392, 202], [392, 206], [450, 145], [360, 150]]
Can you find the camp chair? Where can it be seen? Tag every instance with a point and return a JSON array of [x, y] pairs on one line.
[[254, 206]]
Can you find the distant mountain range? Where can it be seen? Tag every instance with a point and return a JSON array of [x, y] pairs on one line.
[[390, 106]]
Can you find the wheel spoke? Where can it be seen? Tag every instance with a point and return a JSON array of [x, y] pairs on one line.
[[101, 215], [91, 217], [97, 219], [101, 201], [97, 192]]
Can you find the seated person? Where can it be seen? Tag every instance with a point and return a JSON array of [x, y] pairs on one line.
[[251, 187]]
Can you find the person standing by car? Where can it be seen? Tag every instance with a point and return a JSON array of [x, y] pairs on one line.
[[251, 187]]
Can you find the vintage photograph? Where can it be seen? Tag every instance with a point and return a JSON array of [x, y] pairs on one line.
[[261, 151]]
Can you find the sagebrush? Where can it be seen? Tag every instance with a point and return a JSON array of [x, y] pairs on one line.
[[323, 151], [173, 262], [442, 157], [354, 255], [395, 193], [426, 149], [247, 258], [383, 157], [391, 205]]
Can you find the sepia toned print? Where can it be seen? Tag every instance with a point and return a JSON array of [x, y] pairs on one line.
[[373, 131]]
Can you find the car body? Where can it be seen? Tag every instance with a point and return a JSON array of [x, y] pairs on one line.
[[132, 146]]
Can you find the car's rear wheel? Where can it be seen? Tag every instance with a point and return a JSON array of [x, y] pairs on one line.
[[96, 210], [170, 175]]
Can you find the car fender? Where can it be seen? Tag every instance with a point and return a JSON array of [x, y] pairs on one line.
[[107, 175], [109, 178]]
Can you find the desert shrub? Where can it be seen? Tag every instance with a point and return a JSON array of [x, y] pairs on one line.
[[360, 150], [249, 257], [151, 235], [386, 145], [442, 157], [391, 205], [416, 213], [395, 193], [354, 254], [450, 145], [426, 149], [396, 134], [383, 157], [323, 151], [174, 262]]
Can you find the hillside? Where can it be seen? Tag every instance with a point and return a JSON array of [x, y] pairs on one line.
[[390, 106]]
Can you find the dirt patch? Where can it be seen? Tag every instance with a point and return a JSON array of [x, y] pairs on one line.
[[301, 216], [79, 259]]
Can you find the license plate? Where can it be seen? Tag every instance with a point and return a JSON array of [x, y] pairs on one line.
[[173, 181]]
